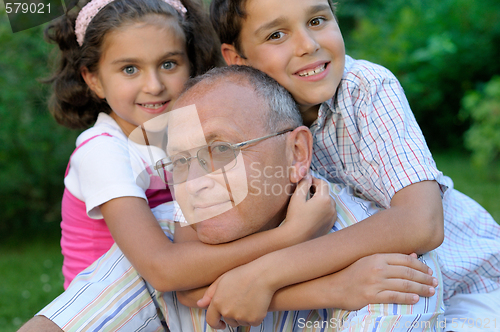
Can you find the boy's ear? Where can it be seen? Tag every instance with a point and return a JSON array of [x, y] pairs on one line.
[[93, 82], [231, 55], [299, 146]]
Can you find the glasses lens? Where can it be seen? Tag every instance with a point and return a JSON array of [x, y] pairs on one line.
[[217, 156]]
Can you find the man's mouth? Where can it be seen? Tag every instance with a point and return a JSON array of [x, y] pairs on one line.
[[314, 71]]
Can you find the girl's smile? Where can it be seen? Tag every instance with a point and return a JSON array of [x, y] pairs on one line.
[[138, 76]]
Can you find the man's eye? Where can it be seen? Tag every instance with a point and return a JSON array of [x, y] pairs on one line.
[[130, 70], [179, 162], [276, 35], [168, 65], [221, 148]]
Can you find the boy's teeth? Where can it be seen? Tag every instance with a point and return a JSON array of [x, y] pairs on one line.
[[315, 71]]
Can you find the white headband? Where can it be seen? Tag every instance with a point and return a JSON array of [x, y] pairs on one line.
[[90, 10]]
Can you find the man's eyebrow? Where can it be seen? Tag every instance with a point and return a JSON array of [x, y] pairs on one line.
[[136, 60], [270, 25]]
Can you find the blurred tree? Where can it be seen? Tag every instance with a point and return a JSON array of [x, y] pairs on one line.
[[483, 137], [438, 49], [34, 149]]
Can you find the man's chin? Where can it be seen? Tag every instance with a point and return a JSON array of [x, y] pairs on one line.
[[218, 230]]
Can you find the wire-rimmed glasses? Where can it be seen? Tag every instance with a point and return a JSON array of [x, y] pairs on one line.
[[214, 158]]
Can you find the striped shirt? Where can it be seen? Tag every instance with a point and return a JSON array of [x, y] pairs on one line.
[[111, 296]]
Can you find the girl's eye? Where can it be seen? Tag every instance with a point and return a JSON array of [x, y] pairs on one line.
[[316, 21], [276, 35], [130, 70], [168, 65]]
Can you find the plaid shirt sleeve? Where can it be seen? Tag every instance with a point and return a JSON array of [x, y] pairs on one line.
[[367, 136]]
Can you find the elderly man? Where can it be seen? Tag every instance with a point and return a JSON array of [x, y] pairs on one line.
[[236, 152]]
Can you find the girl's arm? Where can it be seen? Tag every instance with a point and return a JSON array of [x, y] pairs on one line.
[[192, 264]]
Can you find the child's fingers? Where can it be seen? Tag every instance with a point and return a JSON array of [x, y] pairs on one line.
[[410, 261], [397, 297], [204, 302], [302, 189], [403, 285], [214, 319], [321, 190]]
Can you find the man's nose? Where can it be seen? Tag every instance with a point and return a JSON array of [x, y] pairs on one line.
[[197, 179]]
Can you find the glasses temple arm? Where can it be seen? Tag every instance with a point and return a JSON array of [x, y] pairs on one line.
[[242, 144]]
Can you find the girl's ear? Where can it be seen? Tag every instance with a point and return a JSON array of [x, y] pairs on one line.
[[299, 145], [231, 55], [93, 82]]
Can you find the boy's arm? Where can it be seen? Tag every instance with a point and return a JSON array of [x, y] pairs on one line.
[[381, 278], [402, 228], [413, 223]]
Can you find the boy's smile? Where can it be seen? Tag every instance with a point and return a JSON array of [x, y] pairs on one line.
[[298, 43]]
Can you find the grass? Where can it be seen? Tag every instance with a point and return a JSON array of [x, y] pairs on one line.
[[482, 186], [31, 277]]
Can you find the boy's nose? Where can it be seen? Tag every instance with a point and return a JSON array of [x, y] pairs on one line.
[[153, 84], [305, 43]]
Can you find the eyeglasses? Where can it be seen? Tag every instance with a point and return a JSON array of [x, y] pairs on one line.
[[215, 158]]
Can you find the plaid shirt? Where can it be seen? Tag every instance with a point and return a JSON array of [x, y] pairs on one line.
[[367, 137]]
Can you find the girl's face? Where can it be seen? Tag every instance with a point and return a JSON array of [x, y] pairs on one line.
[[298, 43], [141, 72]]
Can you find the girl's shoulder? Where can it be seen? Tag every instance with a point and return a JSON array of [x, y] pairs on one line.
[[104, 127]]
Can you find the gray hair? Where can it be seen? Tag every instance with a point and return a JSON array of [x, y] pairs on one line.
[[283, 111]]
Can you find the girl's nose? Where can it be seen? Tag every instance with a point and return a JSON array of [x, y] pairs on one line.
[[305, 42], [153, 84]]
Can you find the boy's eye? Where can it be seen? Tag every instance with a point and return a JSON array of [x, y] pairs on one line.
[[168, 65], [316, 21], [130, 70], [275, 35]]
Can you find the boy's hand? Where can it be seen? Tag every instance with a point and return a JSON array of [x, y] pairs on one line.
[[239, 296], [311, 217], [383, 278]]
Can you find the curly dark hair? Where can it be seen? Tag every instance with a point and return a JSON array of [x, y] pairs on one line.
[[72, 103]]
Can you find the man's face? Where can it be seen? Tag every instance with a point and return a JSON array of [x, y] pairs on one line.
[[296, 42], [223, 207]]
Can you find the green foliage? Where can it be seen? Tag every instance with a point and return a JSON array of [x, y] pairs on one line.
[[438, 49], [483, 137], [35, 149], [31, 278]]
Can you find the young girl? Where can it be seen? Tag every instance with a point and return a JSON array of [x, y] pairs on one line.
[[124, 62]]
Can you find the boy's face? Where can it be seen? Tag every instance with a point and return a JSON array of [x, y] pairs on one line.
[[298, 43]]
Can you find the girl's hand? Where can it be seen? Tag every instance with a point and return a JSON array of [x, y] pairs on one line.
[[239, 296], [382, 278], [311, 217]]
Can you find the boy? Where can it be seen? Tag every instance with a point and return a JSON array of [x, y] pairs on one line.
[[366, 137]]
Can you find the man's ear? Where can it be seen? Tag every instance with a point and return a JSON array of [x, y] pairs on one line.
[[231, 55], [299, 146], [93, 82]]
